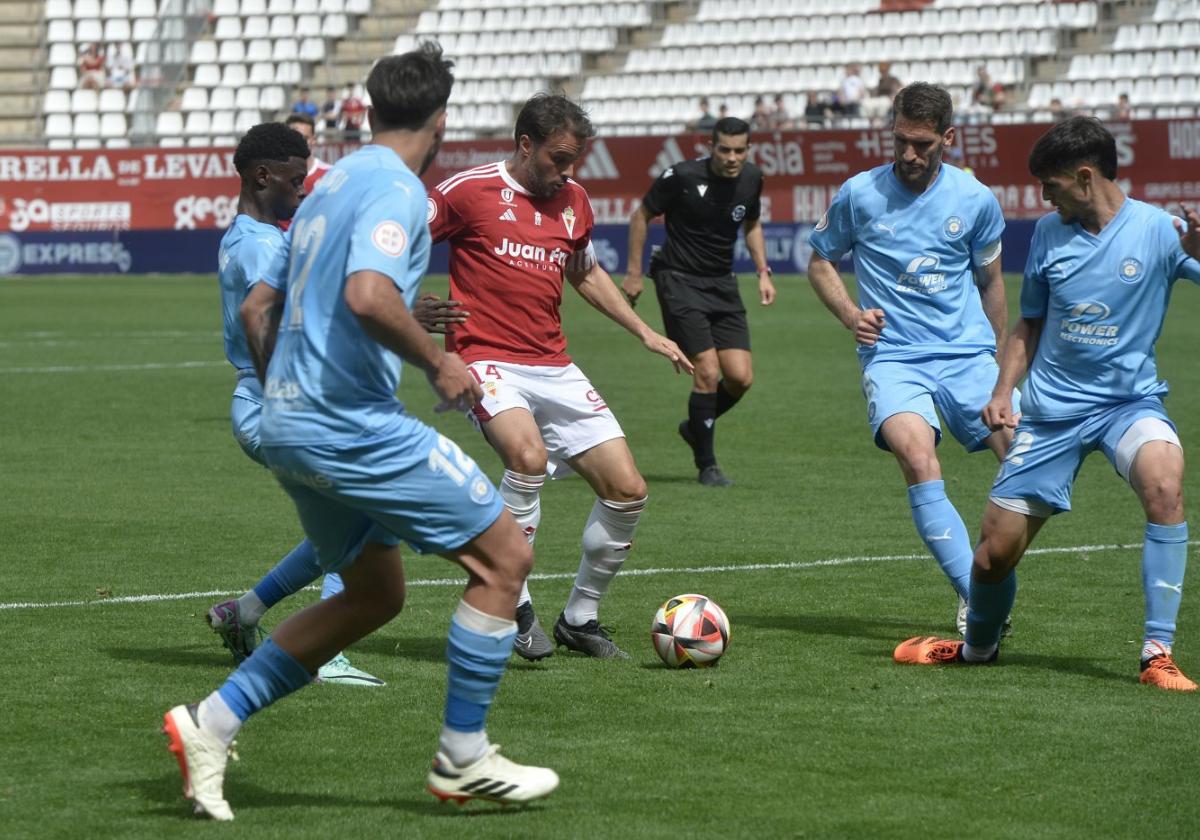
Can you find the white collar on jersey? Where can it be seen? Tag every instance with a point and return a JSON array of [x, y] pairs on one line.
[[502, 167]]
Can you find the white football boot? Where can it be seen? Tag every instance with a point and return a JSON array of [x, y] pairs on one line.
[[493, 778], [202, 759]]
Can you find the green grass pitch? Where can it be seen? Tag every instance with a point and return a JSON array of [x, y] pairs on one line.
[[120, 478]]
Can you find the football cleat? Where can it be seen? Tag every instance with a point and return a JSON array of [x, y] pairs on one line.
[[531, 642], [928, 650], [590, 639], [339, 671], [202, 758], [960, 621], [1162, 672], [239, 639], [713, 477], [492, 778]]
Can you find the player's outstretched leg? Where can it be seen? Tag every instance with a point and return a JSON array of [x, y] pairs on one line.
[[607, 539], [522, 496], [339, 671], [236, 621], [467, 766], [1164, 559]]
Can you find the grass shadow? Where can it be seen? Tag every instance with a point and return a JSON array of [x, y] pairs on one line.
[[212, 655], [895, 630]]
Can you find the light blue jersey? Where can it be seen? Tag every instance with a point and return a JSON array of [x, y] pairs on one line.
[[328, 381], [1103, 299], [914, 257], [247, 252]]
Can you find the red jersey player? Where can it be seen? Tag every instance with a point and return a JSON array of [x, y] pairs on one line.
[[517, 229]]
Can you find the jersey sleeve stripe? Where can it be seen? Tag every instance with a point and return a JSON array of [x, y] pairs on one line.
[[491, 170]]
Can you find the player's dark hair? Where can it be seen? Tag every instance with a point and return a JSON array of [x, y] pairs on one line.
[[921, 102], [297, 117], [546, 114], [731, 127], [406, 90], [1073, 142], [268, 141]]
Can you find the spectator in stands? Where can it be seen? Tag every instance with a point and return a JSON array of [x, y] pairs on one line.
[[986, 93], [305, 106], [1123, 112], [781, 120], [120, 67], [706, 120], [354, 113], [722, 111], [91, 67], [1058, 111], [819, 110], [760, 120], [877, 106], [329, 110], [852, 91]]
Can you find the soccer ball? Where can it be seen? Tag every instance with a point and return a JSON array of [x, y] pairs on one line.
[[690, 631]]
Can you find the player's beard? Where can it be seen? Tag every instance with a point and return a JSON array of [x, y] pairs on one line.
[[431, 154]]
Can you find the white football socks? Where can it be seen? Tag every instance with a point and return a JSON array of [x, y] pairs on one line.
[[215, 715], [250, 608], [607, 539], [522, 496]]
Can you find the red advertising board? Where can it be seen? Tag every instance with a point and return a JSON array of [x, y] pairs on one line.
[[194, 189]]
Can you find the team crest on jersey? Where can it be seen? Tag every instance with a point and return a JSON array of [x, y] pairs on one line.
[[823, 222], [481, 490], [739, 212], [568, 217], [1130, 271], [954, 227], [506, 197], [537, 218], [430, 211], [389, 237]]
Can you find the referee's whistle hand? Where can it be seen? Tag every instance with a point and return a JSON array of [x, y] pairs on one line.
[[766, 290]]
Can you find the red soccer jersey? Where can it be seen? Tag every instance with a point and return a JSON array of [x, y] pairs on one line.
[[315, 173], [508, 251]]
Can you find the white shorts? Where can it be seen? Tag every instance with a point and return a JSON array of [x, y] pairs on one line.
[[568, 410]]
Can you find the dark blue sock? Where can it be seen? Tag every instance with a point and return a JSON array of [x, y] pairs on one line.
[[988, 606], [270, 673], [290, 575], [477, 662]]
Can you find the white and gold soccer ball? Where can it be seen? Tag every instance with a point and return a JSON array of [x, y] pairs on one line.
[[690, 631]]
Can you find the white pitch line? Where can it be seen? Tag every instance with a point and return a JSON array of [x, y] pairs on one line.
[[690, 570], [90, 368]]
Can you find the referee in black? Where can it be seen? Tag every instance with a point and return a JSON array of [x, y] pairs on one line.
[[706, 202]]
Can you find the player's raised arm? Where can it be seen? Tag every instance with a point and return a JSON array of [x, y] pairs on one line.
[[639, 224], [260, 313], [379, 308], [596, 287], [756, 244]]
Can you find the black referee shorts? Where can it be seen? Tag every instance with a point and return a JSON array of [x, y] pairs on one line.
[[701, 313]]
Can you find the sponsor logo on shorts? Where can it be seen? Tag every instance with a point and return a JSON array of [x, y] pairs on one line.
[[1130, 271], [481, 490], [1085, 324], [954, 227]]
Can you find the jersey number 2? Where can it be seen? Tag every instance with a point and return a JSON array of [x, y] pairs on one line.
[[449, 459]]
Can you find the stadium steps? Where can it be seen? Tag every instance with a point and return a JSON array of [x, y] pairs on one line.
[[22, 71], [375, 37]]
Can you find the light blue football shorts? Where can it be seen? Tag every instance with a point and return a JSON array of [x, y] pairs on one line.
[[245, 413], [957, 386], [1037, 475], [413, 485]]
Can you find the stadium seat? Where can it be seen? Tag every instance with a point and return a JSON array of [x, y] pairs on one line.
[[117, 31], [58, 9], [143, 9], [84, 100], [232, 52], [89, 31], [56, 102], [250, 8], [222, 122], [85, 9], [226, 28], [204, 52], [86, 126], [234, 76], [258, 50], [194, 99], [207, 75], [196, 123], [63, 78], [111, 101], [113, 126]]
